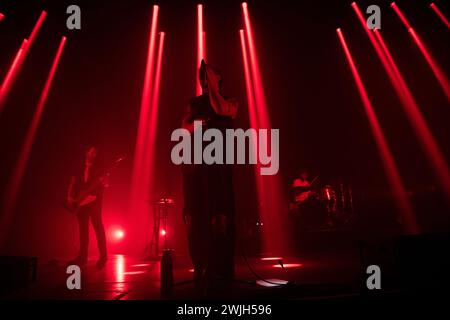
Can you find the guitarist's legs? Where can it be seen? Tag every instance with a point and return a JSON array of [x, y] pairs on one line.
[[83, 224], [97, 223]]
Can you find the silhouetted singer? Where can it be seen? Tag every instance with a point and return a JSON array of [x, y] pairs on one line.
[[208, 190]]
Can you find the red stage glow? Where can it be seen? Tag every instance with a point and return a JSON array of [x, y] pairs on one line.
[[140, 184], [440, 15], [439, 74], [120, 268], [2, 16], [270, 203], [18, 61], [133, 273], [141, 265], [387, 159], [271, 258], [288, 265], [119, 234], [201, 45], [409, 105], [21, 165], [271, 283]]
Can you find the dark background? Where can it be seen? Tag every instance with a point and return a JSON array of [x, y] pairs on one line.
[[95, 98]]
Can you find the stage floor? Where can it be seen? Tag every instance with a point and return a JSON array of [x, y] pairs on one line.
[[124, 277]]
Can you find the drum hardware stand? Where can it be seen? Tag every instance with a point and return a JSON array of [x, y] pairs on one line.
[[160, 214], [166, 286]]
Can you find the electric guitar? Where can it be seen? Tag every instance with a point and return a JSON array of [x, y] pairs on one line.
[[85, 196]]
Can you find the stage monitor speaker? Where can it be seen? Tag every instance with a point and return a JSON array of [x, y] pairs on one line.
[[16, 272]]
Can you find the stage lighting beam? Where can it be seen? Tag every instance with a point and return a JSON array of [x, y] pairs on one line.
[[36, 28], [6, 84], [248, 84], [22, 162], [18, 61], [392, 173], [252, 114], [201, 46], [440, 15], [410, 107], [434, 66], [437, 70], [260, 99], [153, 117], [157, 85], [421, 129], [401, 15], [143, 166], [270, 202], [139, 184]]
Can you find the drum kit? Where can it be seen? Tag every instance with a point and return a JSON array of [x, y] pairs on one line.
[[325, 205]]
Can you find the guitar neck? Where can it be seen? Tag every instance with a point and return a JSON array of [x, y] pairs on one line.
[[98, 180]]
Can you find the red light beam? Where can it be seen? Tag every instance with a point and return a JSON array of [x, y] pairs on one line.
[[155, 97], [421, 129], [288, 265], [270, 200], [139, 166], [201, 45], [20, 167], [153, 123], [400, 15], [392, 173], [437, 70], [260, 99], [248, 83], [18, 61], [36, 28], [140, 180], [409, 105], [204, 45], [2, 16], [252, 110], [6, 85], [438, 73], [440, 15]]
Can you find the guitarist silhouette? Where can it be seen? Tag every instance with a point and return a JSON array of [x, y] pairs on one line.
[[92, 180]]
